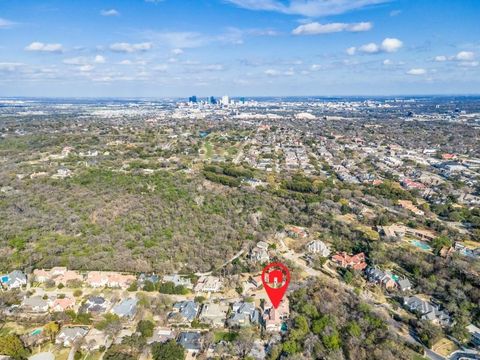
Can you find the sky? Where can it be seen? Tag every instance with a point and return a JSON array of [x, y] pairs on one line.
[[178, 48]]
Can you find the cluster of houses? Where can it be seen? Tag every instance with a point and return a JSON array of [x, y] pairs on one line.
[[95, 279], [233, 315], [427, 310]]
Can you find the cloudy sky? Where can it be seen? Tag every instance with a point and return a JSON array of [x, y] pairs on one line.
[[160, 48]]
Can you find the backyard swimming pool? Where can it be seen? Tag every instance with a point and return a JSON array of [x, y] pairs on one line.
[[421, 245], [36, 332]]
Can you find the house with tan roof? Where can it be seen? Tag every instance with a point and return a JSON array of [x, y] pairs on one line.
[[61, 305]]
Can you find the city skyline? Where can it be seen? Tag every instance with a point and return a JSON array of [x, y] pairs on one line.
[[239, 47]]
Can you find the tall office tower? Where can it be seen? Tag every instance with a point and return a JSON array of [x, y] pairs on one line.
[[225, 100], [192, 99]]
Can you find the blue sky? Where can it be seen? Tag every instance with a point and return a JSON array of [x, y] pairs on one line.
[[140, 48]]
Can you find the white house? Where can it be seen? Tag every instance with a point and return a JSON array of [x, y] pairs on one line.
[[318, 247]]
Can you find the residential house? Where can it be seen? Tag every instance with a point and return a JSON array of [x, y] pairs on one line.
[[59, 275], [35, 304], [427, 310], [144, 279], [67, 277], [41, 275], [410, 184], [214, 314], [404, 284], [447, 251], [260, 253], [191, 341], [69, 335], [96, 305], [14, 280], [408, 205], [208, 284], [399, 230], [378, 276], [275, 318], [123, 334], [127, 308], [116, 280], [183, 312], [178, 280], [98, 279], [392, 231], [355, 262], [62, 305], [423, 234], [243, 314], [466, 251], [318, 247], [296, 232], [475, 335], [95, 339], [161, 335]]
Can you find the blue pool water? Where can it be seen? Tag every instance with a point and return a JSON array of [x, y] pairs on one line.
[[421, 245], [36, 332]]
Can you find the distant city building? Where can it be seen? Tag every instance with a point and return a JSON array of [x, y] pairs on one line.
[[225, 100], [192, 99], [213, 101]]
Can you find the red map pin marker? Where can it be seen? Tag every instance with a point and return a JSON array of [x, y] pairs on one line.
[[275, 279]]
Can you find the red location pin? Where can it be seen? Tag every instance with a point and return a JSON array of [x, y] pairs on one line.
[[275, 279]]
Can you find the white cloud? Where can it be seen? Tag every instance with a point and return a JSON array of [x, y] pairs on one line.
[[180, 39], [86, 68], [310, 8], [417, 71], [351, 50], [391, 45], [465, 56], [9, 66], [177, 51], [6, 24], [370, 48], [468, 63], [213, 67], [130, 48], [42, 47], [388, 45], [99, 59], [387, 62], [81, 60], [271, 72], [316, 67], [464, 59], [109, 12], [395, 12], [316, 28], [161, 67]]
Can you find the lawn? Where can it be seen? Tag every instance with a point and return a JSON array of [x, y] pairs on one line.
[[225, 336], [444, 347]]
